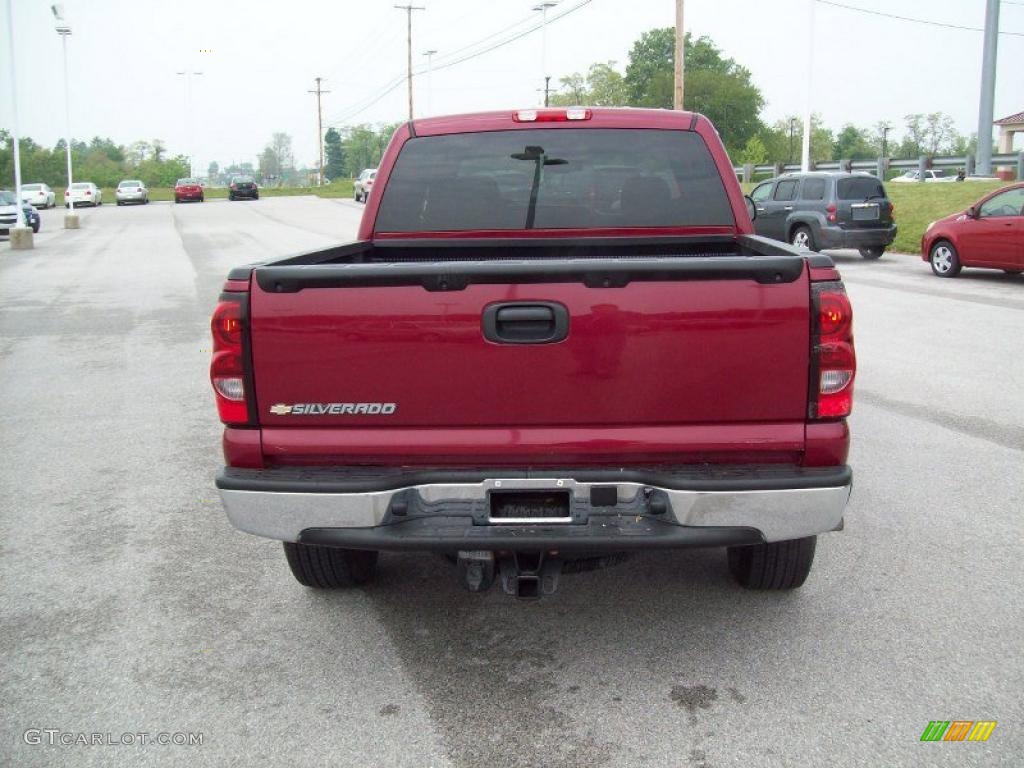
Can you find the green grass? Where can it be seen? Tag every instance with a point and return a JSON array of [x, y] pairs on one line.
[[341, 188], [917, 205]]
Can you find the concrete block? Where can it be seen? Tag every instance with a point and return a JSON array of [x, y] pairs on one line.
[[21, 239], [71, 221]]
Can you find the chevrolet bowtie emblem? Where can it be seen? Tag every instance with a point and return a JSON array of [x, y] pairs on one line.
[[280, 410]]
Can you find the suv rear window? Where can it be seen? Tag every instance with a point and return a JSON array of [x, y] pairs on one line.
[[553, 178], [859, 188]]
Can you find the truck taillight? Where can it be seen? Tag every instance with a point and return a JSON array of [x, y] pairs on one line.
[[831, 210], [228, 367], [833, 360]]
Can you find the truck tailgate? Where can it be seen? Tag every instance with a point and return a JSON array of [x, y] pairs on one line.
[[649, 353]]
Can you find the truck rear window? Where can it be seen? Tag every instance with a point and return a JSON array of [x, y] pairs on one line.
[[859, 188], [553, 179]]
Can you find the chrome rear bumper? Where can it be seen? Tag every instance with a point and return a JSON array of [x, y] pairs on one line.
[[777, 507]]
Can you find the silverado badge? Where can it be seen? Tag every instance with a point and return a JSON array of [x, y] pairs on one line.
[[334, 409]]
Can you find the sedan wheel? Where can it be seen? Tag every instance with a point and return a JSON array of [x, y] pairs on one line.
[[944, 260]]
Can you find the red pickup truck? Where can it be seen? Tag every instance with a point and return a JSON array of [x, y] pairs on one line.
[[555, 339]]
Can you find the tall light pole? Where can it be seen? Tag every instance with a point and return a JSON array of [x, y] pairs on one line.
[[430, 77], [188, 75], [543, 8], [680, 69], [986, 104], [805, 155], [64, 30], [21, 236]]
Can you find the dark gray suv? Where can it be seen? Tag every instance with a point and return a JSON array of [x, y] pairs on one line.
[[826, 210]]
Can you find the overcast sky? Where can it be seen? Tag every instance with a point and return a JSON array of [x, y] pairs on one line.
[[259, 59]]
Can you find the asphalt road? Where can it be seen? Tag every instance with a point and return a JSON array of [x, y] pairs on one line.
[[128, 604]]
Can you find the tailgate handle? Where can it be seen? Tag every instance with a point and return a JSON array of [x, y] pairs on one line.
[[525, 322]]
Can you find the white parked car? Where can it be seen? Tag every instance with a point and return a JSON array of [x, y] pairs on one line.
[[364, 184], [928, 176], [83, 193], [39, 195], [131, 191]]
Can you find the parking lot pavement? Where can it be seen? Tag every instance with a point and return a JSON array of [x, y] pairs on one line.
[[128, 604]]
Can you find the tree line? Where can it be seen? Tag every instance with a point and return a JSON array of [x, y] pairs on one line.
[[723, 90], [100, 161]]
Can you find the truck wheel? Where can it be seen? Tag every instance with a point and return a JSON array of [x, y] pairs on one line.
[[874, 252], [779, 565], [328, 567], [944, 259], [802, 238]]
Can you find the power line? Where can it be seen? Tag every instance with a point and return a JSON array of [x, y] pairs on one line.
[[390, 87], [916, 21]]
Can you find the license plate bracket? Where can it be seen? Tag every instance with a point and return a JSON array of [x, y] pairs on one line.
[[865, 211]]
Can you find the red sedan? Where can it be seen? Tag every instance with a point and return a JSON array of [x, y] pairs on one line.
[[989, 234], [188, 189]]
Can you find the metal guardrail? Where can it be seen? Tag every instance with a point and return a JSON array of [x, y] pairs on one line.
[[747, 172]]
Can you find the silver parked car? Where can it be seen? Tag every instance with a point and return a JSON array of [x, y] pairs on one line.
[[131, 191], [364, 184]]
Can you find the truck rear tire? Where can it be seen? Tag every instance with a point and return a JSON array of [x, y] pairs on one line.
[[779, 565], [874, 252], [328, 567]]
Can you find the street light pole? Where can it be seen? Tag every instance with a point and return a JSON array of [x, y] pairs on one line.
[[986, 103], [679, 63], [805, 154], [189, 74], [64, 30], [543, 8], [430, 78], [23, 238]]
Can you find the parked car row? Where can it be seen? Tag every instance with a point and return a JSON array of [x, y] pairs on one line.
[[85, 193], [823, 210]]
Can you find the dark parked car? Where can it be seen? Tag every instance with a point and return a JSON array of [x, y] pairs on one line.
[[826, 210], [243, 187]]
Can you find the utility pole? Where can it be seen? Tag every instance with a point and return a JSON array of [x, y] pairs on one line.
[[680, 71], [430, 79], [988, 89], [805, 154], [543, 8], [885, 127], [319, 128], [408, 15], [547, 89]]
